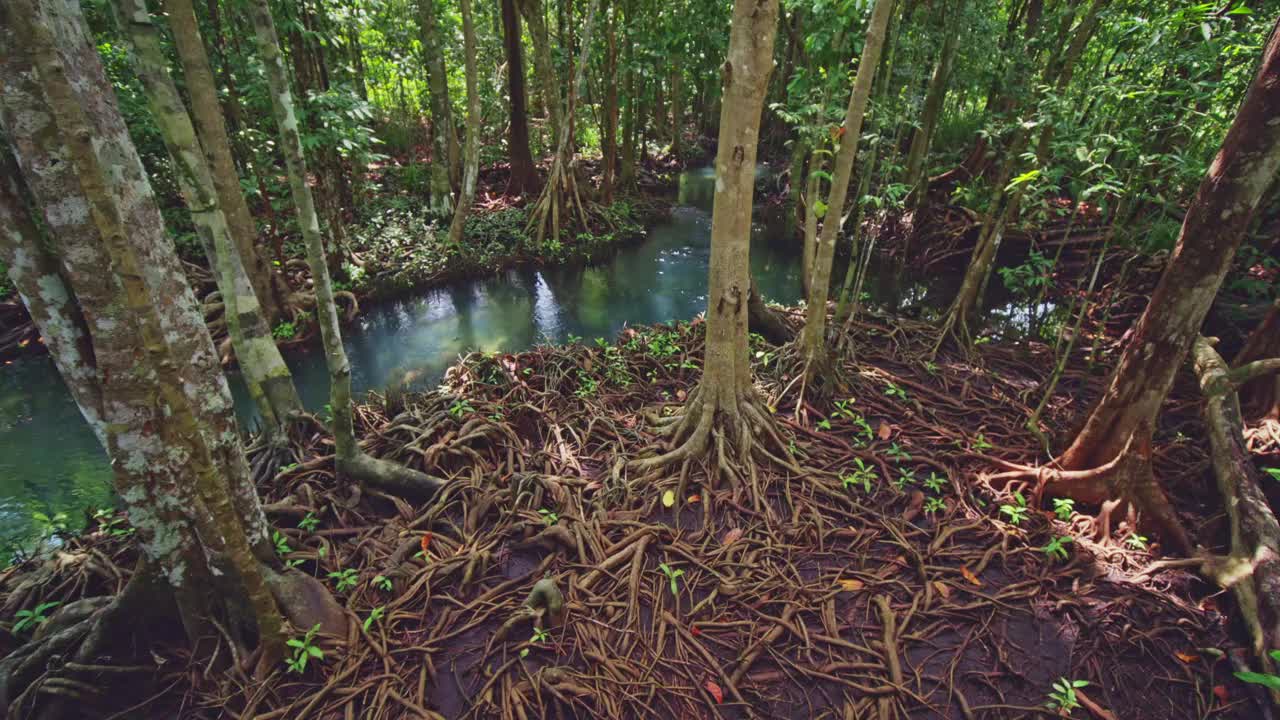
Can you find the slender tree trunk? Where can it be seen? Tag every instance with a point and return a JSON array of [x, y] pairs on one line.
[[266, 375], [725, 399], [923, 135], [472, 149], [524, 176], [1212, 230], [206, 114], [543, 67], [1262, 395], [813, 338], [351, 460], [446, 154], [609, 141]]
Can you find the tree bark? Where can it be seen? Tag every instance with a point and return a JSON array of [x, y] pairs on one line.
[[813, 338], [609, 138], [446, 154], [206, 114], [524, 176], [1212, 230], [725, 399], [472, 151], [266, 375], [351, 460]]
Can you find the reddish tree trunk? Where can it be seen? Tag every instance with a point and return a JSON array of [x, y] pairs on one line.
[[524, 176]]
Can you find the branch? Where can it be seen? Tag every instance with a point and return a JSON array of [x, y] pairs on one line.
[[1252, 371]]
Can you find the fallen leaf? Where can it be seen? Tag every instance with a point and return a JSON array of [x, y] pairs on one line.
[[1187, 658], [968, 575], [885, 431], [426, 541], [732, 536], [695, 631], [913, 506], [694, 499], [681, 395], [669, 498], [715, 691], [850, 584], [1220, 691], [943, 589]]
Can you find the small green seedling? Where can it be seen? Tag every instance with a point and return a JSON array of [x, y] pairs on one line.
[[304, 649], [673, 576], [934, 504], [346, 579], [863, 474], [460, 407], [905, 477], [1016, 512], [29, 619], [112, 523], [309, 522], [980, 443], [894, 390], [382, 582], [1063, 507], [1057, 548], [935, 482], [374, 616], [1063, 695], [1274, 473], [824, 424], [844, 409], [897, 453], [1265, 679], [540, 635], [282, 548], [1136, 541], [548, 517], [50, 526]]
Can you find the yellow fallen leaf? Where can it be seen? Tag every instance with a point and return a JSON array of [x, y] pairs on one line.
[[968, 575], [850, 584], [885, 431], [669, 498], [694, 499], [942, 589], [1187, 658]]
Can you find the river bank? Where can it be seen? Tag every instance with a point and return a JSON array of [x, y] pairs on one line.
[[887, 575]]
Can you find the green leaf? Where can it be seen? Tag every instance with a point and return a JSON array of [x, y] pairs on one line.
[[819, 208], [314, 651], [1270, 681], [1206, 31]]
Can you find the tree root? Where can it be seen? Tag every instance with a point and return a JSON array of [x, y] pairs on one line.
[[389, 476]]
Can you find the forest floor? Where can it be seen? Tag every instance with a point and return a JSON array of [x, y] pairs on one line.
[[884, 581]]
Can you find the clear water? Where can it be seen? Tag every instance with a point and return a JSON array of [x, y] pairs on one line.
[[50, 462]]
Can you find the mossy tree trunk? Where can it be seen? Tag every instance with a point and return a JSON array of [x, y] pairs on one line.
[[266, 375], [167, 411], [206, 114], [351, 460], [543, 67], [725, 406], [524, 175], [813, 340], [446, 154]]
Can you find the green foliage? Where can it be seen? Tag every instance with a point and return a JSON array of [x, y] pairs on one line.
[[1063, 508], [29, 619], [461, 408], [540, 636], [1267, 680], [382, 582], [345, 579], [309, 522], [1056, 549], [935, 482], [284, 330], [50, 525], [673, 577], [1029, 278], [1016, 511], [863, 474], [304, 650], [374, 616], [549, 517], [1063, 695]]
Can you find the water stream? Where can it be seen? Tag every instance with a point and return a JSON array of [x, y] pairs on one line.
[[50, 462]]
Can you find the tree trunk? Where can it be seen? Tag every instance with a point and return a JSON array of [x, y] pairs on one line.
[[923, 135], [446, 154], [1212, 230], [1262, 395], [266, 375], [543, 67], [206, 114], [609, 139], [169, 419], [524, 176], [813, 338], [725, 400], [1252, 568], [351, 460], [472, 150]]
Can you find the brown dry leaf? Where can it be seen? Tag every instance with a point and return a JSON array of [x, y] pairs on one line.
[[914, 507], [732, 536], [715, 691], [885, 431], [942, 589], [968, 575], [681, 395], [1187, 658], [694, 499], [850, 584]]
